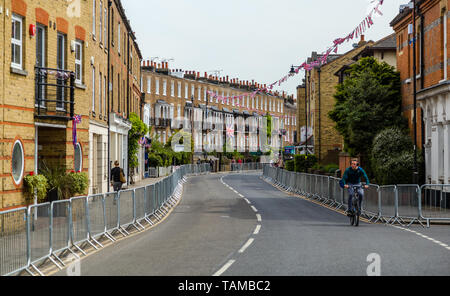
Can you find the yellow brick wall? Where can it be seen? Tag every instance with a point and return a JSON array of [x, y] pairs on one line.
[[329, 139], [18, 91], [209, 85]]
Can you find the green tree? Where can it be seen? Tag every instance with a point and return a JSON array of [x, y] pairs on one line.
[[137, 131], [303, 162], [367, 102], [392, 157]]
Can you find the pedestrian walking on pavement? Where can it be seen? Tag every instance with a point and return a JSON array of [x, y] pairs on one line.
[[117, 177]]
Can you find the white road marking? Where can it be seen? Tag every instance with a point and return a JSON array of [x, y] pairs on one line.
[[257, 229], [254, 209], [224, 268], [247, 201], [247, 244], [404, 229], [258, 217], [426, 237]]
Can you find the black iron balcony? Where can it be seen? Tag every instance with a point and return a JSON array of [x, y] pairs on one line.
[[54, 94], [162, 122]]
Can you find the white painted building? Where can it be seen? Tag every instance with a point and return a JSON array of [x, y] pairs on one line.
[[98, 155], [435, 103], [119, 128]]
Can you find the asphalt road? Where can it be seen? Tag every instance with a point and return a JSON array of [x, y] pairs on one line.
[[258, 230]]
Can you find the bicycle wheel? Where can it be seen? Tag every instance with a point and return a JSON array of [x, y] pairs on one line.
[[352, 219]]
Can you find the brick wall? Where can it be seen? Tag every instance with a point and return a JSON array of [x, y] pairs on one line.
[[328, 139], [300, 110], [433, 56], [18, 89], [201, 82]]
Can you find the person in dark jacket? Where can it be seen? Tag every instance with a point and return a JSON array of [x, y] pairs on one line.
[[116, 183], [352, 176]]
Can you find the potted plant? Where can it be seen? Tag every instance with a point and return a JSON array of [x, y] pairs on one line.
[[76, 183], [35, 185], [56, 180]]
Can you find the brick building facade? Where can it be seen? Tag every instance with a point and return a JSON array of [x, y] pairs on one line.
[[55, 64], [113, 97], [433, 99], [174, 99], [321, 85], [37, 103]]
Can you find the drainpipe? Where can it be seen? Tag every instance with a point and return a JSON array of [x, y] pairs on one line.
[[128, 76], [422, 47], [415, 172], [108, 110], [320, 109], [306, 115], [128, 101]]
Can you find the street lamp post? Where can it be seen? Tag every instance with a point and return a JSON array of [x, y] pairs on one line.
[[415, 172], [306, 111]]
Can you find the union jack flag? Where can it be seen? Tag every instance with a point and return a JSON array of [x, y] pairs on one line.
[[76, 120], [230, 130]]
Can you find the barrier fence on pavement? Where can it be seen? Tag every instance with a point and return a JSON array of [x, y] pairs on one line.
[[402, 204], [31, 235]]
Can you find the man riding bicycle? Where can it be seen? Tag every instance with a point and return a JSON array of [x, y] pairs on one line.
[[352, 177]]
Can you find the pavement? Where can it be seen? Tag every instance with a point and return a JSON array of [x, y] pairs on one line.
[[239, 225], [144, 182]]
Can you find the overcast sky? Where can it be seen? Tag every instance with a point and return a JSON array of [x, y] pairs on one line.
[[249, 39]]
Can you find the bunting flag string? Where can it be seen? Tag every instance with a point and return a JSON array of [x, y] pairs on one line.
[[358, 31], [57, 74]]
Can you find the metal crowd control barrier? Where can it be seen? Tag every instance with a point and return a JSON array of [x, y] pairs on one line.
[[126, 210], [390, 204], [139, 205], [97, 218], [112, 213], [46, 231], [39, 234], [336, 193], [371, 204], [80, 228], [13, 241], [60, 225], [408, 201], [434, 202]]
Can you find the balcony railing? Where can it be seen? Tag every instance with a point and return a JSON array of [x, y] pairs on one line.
[[163, 122], [54, 93]]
